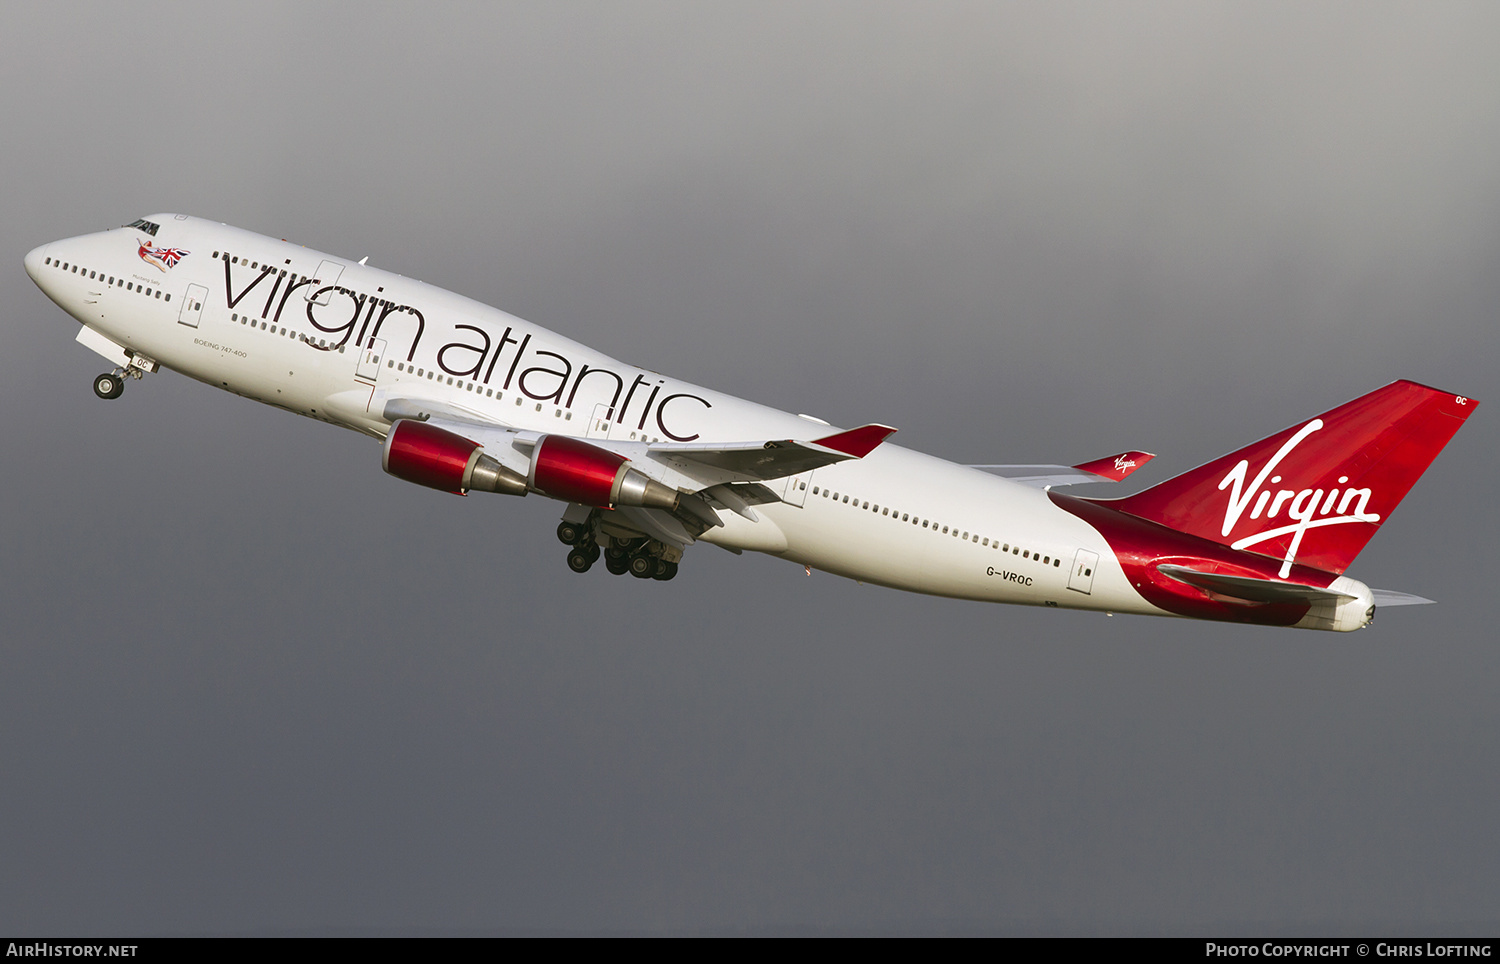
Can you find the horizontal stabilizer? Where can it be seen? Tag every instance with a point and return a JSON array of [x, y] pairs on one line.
[[1389, 597], [763, 461], [1114, 468], [1111, 469], [1249, 588]]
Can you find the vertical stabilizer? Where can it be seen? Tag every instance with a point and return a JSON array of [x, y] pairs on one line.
[[1316, 492]]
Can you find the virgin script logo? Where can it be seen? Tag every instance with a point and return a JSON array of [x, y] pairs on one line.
[[1307, 508]]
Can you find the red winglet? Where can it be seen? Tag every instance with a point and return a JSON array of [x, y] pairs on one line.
[[857, 442], [1116, 467]]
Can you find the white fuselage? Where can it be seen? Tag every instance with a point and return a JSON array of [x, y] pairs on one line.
[[279, 323]]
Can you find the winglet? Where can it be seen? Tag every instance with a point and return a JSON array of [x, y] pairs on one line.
[[857, 442], [1116, 467]]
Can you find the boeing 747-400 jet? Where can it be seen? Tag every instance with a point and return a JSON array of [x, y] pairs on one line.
[[467, 398]]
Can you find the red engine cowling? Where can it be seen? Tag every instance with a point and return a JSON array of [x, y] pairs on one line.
[[575, 471], [428, 455], [440, 459]]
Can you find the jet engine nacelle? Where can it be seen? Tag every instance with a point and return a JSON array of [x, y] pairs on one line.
[[440, 459], [573, 470]]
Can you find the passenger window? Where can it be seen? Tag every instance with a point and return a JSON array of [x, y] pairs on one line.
[[1056, 563]]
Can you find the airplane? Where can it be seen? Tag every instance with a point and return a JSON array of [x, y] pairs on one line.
[[466, 398]]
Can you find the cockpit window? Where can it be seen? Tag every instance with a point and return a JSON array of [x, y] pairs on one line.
[[149, 227]]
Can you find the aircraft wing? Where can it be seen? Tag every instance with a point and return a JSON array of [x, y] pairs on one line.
[[724, 462], [1110, 469], [709, 476], [776, 459]]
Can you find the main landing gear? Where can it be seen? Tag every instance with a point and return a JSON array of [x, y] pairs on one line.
[[642, 558]]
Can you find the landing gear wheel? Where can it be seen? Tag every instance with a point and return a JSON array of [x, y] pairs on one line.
[[580, 560], [109, 386], [569, 533], [665, 570], [643, 567], [618, 567]]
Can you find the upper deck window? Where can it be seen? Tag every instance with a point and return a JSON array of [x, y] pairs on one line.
[[148, 226]]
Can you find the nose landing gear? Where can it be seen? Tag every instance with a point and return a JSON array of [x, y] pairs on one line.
[[112, 384], [109, 385]]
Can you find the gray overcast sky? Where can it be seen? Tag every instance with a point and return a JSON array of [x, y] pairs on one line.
[[248, 683]]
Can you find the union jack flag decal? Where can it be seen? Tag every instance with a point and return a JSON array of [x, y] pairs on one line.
[[162, 258]]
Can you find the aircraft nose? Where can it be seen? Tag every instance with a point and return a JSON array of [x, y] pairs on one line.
[[34, 261]]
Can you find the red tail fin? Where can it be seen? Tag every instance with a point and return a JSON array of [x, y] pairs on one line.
[[1316, 492]]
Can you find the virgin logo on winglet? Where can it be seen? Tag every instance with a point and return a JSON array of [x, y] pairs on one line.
[[1304, 503]]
